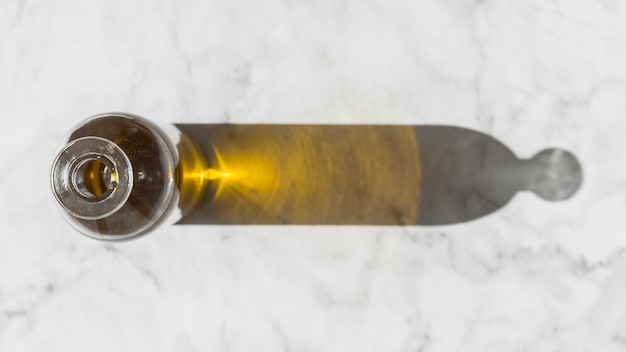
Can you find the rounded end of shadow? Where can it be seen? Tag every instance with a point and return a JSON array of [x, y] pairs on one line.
[[557, 175]]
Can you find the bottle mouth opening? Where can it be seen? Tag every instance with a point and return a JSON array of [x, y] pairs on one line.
[[91, 178]]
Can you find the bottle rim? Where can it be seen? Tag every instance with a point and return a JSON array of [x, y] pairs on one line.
[[68, 184]]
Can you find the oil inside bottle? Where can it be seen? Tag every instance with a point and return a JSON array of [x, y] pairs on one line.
[[119, 176], [97, 178]]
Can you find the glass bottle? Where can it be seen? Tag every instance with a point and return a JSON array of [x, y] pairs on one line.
[[119, 176]]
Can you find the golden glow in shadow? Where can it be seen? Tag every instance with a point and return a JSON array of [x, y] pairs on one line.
[[221, 174], [307, 174], [190, 174], [212, 174]]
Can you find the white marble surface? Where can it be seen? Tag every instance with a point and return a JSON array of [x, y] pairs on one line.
[[535, 276]]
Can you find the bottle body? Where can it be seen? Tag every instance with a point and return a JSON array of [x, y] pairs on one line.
[[118, 176]]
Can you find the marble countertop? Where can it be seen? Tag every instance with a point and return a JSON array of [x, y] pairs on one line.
[[535, 276]]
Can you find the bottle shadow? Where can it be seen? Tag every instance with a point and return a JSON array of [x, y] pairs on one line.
[[366, 174]]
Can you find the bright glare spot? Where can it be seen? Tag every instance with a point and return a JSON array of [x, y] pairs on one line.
[[212, 174]]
